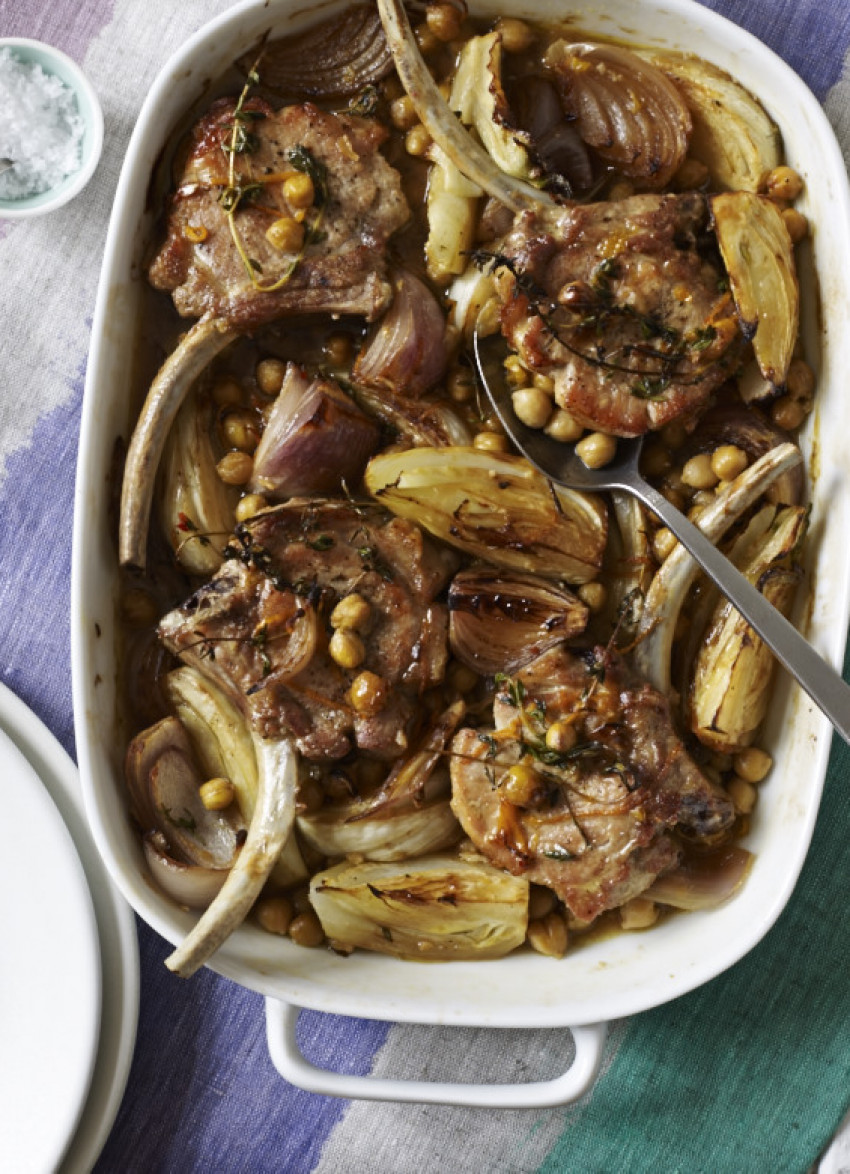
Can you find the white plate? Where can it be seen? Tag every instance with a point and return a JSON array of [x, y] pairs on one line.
[[49, 974], [117, 977], [616, 976]]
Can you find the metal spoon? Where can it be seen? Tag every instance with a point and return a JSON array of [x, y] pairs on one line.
[[559, 462], [5, 164]]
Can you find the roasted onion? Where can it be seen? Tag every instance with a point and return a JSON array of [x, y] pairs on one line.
[[702, 881], [333, 59], [625, 109], [498, 623], [187, 884], [316, 439], [405, 351], [552, 139]]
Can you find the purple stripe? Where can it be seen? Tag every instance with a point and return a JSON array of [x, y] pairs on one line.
[[813, 39], [66, 24]]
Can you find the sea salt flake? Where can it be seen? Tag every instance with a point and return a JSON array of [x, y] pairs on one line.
[[41, 129]]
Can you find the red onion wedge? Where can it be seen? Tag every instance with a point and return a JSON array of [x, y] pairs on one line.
[[333, 59], [187, 884], [271, 826], [315, 439], [702, 881], [628, 111], [405, 351]]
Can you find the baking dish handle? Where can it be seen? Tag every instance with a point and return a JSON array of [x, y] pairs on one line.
[[287, 1057]]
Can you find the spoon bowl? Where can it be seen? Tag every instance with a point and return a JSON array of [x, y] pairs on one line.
[[559, 461]]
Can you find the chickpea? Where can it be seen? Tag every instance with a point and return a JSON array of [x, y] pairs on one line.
[[269, 375], [249, 505], [521, 784], [226, 392], [368, 693], [138, 607], [403, 113], [532, 406], [728, 461], [274, 914], [787, 413], [352, 612], [239, 430], [639, 913], [796, 223], [517, 36], [544, 382], [298, 190], [541, 901], [425, 38], [461, 678], [217, 794], [664, 542], [752, 764], [742, 794], [564, 427], [597, 449], [338, 349], [417, 140], [461, 385], [491, 442], [516, 373], [693, 174], [305, 929], [347, 649], [444, 21], [782, 183], [698, 473], [235, 468], [621, 190], [594, 594], [561, 736], [800, 381], [286, 235], [548, 935]]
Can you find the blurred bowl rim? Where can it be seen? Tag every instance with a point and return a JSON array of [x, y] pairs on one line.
[[91, 112]]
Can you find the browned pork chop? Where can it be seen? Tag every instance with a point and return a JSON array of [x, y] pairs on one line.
[[595, 827], [341, 271], [639, 325], [260, 626]]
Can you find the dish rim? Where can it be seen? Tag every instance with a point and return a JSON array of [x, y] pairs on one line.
[[356, 992]]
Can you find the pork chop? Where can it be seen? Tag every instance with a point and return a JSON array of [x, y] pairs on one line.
[[260, 626], [596, 826], [624, 304], [342, 269]]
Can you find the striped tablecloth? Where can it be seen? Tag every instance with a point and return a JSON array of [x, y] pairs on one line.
[[750, 1073]]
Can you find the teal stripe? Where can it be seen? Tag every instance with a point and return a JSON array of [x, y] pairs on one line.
[[752, 1072]]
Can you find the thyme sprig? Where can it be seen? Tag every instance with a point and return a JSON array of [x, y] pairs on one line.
[[242, 141], [596, 308]]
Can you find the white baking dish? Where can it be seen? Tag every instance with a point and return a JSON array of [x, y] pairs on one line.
[[611, 978]]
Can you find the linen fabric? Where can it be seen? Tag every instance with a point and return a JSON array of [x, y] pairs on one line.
[[749, 1073]]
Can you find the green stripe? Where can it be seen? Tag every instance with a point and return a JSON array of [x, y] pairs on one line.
[[752, 1072]]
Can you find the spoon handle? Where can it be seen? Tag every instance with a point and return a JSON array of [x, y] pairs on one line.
[[818, 678]]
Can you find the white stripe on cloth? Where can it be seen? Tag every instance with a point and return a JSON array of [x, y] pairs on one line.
[[389, 1138]]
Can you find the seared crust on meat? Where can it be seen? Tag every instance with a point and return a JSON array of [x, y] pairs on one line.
[[639, 325], [597, 828], [344, 271], [289, 568]]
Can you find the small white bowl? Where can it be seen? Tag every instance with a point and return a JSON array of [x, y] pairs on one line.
[[54, 62]]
